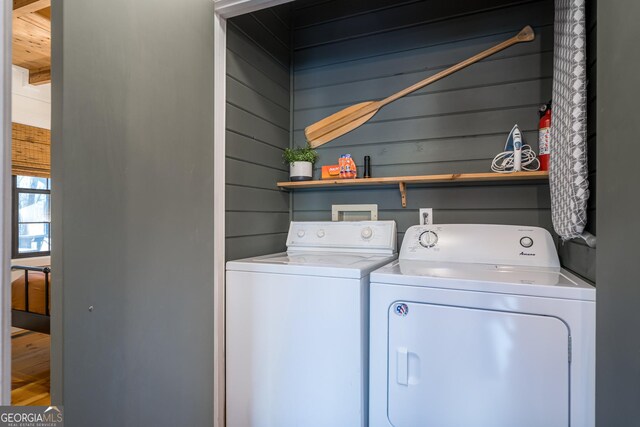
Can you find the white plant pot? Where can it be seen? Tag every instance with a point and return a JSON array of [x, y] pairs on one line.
[[300, 171]]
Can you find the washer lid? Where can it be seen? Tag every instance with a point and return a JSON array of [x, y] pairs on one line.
[[505, 279], [327, 264]]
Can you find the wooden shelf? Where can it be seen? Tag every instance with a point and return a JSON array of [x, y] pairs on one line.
[[403, 181]]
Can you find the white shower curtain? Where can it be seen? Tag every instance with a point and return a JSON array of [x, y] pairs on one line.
[[568, 171]]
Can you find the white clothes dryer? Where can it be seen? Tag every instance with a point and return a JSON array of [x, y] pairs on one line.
[[479, 326], [297, 327]]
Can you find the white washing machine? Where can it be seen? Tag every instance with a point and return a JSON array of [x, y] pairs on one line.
[[297, 327], [478, 326]]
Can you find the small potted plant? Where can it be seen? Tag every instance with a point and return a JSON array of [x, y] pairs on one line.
[[300, 162]]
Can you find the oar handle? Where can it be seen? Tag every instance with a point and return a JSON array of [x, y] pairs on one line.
[[525, 35]]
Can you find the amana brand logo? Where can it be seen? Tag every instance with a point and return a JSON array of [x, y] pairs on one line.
[[527, 254], [31, 416]]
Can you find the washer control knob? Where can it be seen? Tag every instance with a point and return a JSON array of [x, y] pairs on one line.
[[300, 233], [428, 239], [320, 233], [526, 242], [366, 233]]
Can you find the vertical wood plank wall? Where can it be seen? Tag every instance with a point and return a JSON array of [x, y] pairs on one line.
[[258, 126], [349, 52]]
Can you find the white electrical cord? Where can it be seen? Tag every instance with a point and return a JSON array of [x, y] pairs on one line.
[[503, 162]]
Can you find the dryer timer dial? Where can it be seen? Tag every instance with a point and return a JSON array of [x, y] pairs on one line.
[[428, 239]]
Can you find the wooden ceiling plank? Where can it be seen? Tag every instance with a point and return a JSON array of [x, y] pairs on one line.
[[24, 28], [23, 7], [32, 38], [40, 76], [31, 44], [37, 20]]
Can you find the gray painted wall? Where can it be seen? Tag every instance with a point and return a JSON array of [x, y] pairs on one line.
[[133, 167], [618, 353], [348, 52], [258, 129]]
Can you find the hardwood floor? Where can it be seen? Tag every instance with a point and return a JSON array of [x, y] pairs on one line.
[[30, 379]]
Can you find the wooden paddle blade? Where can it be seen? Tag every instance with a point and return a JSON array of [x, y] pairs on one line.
[[326, 126], [327, 137]]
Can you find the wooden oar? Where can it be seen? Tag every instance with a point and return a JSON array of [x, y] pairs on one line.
[[352, 117]]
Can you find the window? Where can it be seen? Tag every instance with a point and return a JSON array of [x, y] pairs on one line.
[[31, 216]]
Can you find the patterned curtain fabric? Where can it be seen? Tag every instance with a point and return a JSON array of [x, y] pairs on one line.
[[568, 170]]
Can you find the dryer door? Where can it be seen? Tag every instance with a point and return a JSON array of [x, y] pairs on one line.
[[456, 366]]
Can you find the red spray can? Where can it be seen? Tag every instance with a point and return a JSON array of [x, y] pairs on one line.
[[544, 136]]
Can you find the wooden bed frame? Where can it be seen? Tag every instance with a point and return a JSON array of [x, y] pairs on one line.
[[27, 319]]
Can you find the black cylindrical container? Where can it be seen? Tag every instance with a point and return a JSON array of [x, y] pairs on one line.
[[367, 167]]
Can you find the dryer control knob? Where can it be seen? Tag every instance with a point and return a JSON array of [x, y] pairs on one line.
[[300, 233], [526, 242], [320, 233], [428, 239], [366, 233]]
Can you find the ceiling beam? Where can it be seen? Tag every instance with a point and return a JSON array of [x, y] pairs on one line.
[[40, 76], [23, 7]]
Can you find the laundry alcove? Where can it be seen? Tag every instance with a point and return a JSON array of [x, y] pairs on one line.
[[293, 64]]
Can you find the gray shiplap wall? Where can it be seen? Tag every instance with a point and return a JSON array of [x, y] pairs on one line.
[[258, 129], [575, 254], [348, 52]]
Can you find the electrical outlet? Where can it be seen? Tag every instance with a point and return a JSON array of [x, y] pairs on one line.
[[426, 216]]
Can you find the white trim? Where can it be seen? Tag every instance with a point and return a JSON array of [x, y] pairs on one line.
[[6, 11], [230, 8], [219, 128]]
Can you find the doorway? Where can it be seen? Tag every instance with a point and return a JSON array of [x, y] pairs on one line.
[[29, 201]]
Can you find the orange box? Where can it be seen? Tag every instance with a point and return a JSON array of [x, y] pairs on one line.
[[331, 172]]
